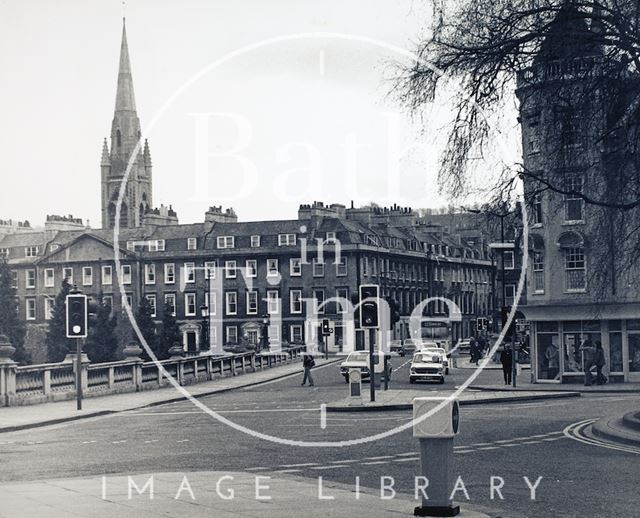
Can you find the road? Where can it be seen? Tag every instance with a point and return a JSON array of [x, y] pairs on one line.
[[504, 440]]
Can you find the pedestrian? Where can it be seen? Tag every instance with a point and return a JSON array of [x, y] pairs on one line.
[[473, 350], [600, 362], [588, 361], [506, 359], [308, 363]]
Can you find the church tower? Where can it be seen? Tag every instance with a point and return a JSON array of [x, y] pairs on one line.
[[125, 134]]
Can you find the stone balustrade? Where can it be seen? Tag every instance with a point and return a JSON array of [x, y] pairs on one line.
[[56, 381]]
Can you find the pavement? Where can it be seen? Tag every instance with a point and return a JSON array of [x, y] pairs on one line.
[[403, 399], [623, 429], [524, 385], [202, 493], [31, 416]]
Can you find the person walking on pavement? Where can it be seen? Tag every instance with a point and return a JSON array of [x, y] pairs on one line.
[[588, 361], [308, 363], [600, 362], [506, 359], [473, 349]]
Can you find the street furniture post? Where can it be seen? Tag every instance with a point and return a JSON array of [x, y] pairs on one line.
[[78, 373], [355, 384], [436, 434]]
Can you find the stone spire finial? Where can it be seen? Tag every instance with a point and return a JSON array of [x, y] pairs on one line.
[[105, 160], [125, 99]]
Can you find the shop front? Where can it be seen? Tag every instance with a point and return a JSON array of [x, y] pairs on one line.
[[557, 352]]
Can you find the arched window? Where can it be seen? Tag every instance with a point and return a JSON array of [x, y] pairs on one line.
[[124, 215], [118, 138], [111, 211]]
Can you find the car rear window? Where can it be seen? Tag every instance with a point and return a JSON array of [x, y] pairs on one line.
[[427, 358]]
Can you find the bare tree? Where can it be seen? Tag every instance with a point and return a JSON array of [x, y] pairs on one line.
[[574, 68]]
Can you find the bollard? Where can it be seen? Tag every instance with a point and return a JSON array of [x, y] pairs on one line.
[[355, 384], [436, 434]]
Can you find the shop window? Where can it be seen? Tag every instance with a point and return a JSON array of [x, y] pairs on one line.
[[575, 334], [634, 352], [615, 352]]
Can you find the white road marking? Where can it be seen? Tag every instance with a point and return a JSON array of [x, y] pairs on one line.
[[575, 430], [406, 459], [304, 464], [323, 416], [409, 453], [118, 442], [335, 466], [260, 468], [247, 411], [287, 471], [379, 458], [376, 462], [150, 441], [183, 440]]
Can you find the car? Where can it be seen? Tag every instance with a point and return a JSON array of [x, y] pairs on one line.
[[443, 354], [429, 344], [411, 345], [463, 347], [358, 360], [395, 346], [426, 366]]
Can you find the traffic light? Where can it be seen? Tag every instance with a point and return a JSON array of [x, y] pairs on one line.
[[326, 329], [77, 315], [369, 306], [394, 312], [481, 324]]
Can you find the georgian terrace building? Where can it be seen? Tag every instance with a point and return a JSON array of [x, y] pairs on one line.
[[168, 264]]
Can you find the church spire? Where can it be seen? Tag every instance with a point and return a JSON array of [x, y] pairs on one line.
[[125, 99]]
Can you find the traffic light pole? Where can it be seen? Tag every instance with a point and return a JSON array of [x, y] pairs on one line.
[[372, 368], [78, 373]]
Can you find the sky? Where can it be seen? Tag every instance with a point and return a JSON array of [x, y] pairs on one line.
[[288, 116]]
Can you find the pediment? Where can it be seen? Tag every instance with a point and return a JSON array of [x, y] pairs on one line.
[[85, 248]]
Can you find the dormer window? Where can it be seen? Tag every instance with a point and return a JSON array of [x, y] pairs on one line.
[[286, 239], [31, 251], [255, 241], [4, 252], [191, 243], [226, 242]]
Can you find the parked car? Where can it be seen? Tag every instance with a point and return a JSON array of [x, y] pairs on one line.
[[395, 346], [441, 352], [426, 366], [359, 360]]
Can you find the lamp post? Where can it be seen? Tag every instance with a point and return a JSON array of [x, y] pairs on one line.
[[204, 337], [264, 335]]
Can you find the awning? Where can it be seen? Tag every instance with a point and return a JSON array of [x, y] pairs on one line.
[[571, 239], [570, 311]]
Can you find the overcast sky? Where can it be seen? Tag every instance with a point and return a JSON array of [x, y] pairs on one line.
[[307, 101]]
